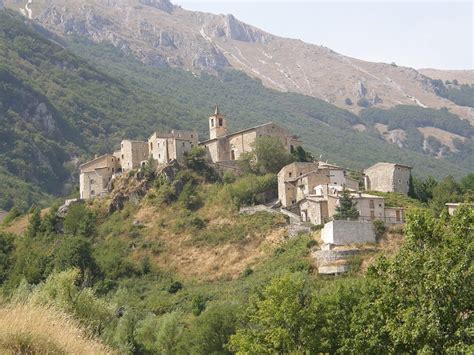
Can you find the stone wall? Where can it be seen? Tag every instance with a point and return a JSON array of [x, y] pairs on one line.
[[341, 232], [133, 153], [94, 183]]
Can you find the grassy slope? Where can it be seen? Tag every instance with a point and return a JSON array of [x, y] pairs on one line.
[[32, 329]]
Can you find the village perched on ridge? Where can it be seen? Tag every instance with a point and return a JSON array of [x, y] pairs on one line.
[[309, 192]]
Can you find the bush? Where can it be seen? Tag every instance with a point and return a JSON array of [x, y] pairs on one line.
[[79, 221], [11, 215], [348, 101], [245, 191], [175, 287], [198, 305], [363, 102], [247, 271], [379, 227]]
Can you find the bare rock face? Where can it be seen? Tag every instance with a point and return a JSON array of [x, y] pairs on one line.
[[239, 31], [163, 5], [161, 34]]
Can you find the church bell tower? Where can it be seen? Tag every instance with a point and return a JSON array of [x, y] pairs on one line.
[[217, 125]]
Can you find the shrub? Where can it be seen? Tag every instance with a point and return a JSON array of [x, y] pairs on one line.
[[198, 305], [348, 101], [11, 215], [175, 287], [379, 227], [79, 221], [247, 271], [228, 177], [363, 102]]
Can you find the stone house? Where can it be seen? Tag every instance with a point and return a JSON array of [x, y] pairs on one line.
[[96, 175], [298, 180], [227, 147], [132, 154], [320, 207], [164, 147], [388, 177]]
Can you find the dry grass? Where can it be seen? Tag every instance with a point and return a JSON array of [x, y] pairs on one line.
[[443, 136], [19, 225], [31, 329]]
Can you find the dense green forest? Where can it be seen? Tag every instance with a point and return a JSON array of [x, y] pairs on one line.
[[62, 102], [114, 275]]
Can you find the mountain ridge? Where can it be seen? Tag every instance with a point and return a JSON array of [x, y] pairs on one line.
[[162, 34]]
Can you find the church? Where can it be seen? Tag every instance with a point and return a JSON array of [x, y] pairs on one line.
[[223, 146]]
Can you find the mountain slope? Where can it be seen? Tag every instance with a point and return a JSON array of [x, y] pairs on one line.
[[161, 34], [58, 109]]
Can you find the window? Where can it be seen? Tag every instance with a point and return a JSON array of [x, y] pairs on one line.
[[371, 204], [289, 174], [397, 212], [192, 136], [212, 122], [151, 146], [159, 156], [183, 144], [380, 205], [92, 181], [122, 157], [372, 214], [92, 192], [220, 122]]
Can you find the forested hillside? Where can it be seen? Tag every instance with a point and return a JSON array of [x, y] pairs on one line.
[[62, 103]]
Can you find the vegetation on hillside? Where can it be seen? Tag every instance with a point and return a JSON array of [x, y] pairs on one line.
[[63, 104], [459, 94]]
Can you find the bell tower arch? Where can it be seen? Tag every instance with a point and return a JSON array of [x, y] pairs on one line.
[[217, 124]]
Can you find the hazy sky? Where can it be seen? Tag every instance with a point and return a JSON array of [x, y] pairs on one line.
[[420, 34]]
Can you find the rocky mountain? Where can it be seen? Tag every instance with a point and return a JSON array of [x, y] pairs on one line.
[[162, 34]]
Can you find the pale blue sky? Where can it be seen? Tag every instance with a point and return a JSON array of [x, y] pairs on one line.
[[421, 34]]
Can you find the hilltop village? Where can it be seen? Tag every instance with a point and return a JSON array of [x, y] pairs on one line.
[[309, 190]]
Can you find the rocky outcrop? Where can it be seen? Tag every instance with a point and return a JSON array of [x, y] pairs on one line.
[[133, 186], [239, 31], [163, 5]]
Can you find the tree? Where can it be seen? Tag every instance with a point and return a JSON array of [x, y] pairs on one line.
[[421, 300], [280, 319], [446, 191], [160, 335], [79, 221], [76, 252], [34, 223], [268, 156], [347, 208], [423, 189], [301, 155], [6, 255], [211, 331]]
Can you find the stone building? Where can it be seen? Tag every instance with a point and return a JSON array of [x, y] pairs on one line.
[[164, 147], [298, 180], [132, 154], [388, 177], [226, 147], [320, 207], [96, 175]]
